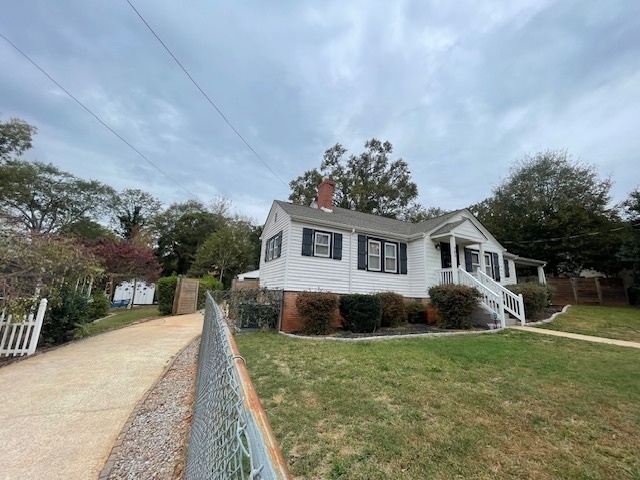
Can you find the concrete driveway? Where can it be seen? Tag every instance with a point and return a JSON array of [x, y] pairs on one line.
[[61, 412]]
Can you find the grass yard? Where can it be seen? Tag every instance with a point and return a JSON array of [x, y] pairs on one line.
[[504, 405], [120, 318], [621, 323]]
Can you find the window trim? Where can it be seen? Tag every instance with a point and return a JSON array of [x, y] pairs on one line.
[[315, 244], [371, 241], [274, 247], [395, 257]]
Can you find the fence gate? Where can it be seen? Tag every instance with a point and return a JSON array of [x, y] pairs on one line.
[[20, 336], [186, 297]]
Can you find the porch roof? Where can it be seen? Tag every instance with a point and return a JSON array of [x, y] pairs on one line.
[[528, 262]]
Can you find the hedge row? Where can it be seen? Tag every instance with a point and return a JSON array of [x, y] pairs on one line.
[[535, 296]]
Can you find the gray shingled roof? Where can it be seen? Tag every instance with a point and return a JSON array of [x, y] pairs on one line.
[[364, 221]]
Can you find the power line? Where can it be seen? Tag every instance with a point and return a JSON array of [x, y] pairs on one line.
[[96, 117], [205, 95], [570, 237]]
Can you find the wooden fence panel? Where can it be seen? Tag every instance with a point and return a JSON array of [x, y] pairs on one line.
[[186, 298], [612, 292], [586, 291], [563, 293]]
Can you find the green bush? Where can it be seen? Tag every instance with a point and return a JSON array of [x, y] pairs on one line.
[[98, 306], [415, 312], [360, 313], [67, 310], [207, 283], [455, 304], [166, 290], [393, 309], [535, 295], [316, 311]]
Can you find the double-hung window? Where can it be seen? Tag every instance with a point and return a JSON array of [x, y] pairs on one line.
[[273, 248], [374, 255], [322, 244], [390, 257]]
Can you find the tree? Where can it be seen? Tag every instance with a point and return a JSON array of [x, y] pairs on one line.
[[86, 229], [40, 198], [15, 138], [126, 260], [227, 252], [181, 229], [555, 208], [133, 210], [367, 183], [417, 213], [32, 262], [630, 251]]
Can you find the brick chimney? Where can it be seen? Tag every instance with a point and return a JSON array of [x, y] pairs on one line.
[[325, 194]]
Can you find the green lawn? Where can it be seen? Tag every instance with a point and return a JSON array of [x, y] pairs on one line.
[[505, 405], [120, 318], [621, 323]]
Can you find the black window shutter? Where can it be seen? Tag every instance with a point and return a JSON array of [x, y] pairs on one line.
[[506, 268], [468, 260], [337, 246], [280, 244], [457, 262], [362, 252], [403, 258], [307, 242], [266, 251], [496, 268]]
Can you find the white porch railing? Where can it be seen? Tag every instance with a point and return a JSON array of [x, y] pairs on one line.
[[489, 300], [446, 276], [19, 338], [514, 304]]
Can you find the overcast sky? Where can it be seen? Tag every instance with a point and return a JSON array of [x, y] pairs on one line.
[[460, 89]]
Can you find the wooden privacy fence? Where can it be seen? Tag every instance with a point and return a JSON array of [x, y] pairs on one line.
[[20, 337], [588, 291]]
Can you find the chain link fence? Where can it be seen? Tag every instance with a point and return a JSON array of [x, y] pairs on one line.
[[230, 435], [254, 308]]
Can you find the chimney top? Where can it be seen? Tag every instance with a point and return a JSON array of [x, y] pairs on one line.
[[325, 194]]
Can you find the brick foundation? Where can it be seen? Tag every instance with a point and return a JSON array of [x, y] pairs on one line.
[[291, 321]]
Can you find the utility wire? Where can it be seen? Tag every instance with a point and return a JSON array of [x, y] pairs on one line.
[[571, 237], [205, 95], [97, 118]]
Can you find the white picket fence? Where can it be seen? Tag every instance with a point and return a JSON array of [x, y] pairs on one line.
[[20, 337]]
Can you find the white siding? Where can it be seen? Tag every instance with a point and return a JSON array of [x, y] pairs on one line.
[[511, 279], [317, 273], [416, 267], [434, 264], [272, 273], [469, 230]]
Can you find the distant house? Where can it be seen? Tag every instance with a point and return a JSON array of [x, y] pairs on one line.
[[325, 248]]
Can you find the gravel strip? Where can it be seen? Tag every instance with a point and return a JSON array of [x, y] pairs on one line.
[[154, 446]]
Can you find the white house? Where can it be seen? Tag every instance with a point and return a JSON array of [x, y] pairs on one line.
[[325, 248]]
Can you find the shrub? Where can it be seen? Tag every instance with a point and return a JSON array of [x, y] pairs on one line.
[[67, 310], [415, 312], [535, 295], [166, 288], [360, 313], [393, 309], [207, 283], [455, 304], [98, 306], [316, 310]]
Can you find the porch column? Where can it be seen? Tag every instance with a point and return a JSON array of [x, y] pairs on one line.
[[454, 260], [483, 264], [541, 278]]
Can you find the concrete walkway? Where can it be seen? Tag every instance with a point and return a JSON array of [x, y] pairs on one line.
[[577, 336], [61, 412]]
